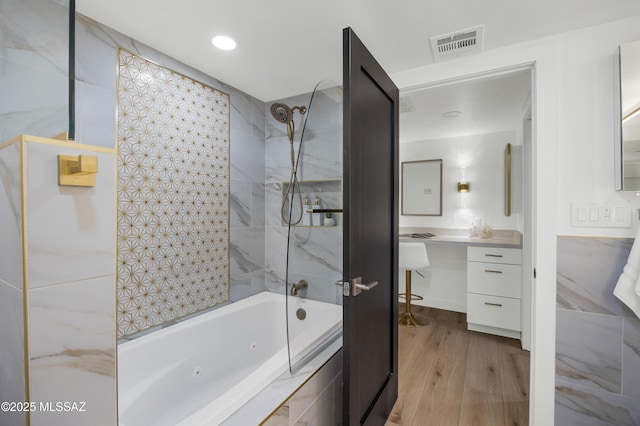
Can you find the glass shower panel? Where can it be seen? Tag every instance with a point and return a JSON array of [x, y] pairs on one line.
[[314, 256]]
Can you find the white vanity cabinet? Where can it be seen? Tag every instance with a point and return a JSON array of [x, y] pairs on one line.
[[494, 289]]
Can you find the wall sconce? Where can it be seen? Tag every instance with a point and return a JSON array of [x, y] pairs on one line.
[[78, 170], [463, 185]]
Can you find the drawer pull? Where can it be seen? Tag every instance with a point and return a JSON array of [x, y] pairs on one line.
[[493, 271], [493, 304], [492, 255]]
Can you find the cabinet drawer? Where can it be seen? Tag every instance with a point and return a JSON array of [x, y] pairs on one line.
[[494, 278], [500, 312], [494, 255]]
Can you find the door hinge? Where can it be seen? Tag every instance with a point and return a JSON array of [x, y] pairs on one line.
[[534, 273]]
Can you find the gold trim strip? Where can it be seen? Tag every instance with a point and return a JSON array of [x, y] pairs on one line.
[[170, 69], [11, 141], [116, 143], [67, 144], [25, 281], [57, 142]]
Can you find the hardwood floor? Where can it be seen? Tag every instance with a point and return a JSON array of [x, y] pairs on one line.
[[451, 376]]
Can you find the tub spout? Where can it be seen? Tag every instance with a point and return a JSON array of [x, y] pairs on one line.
[[301, 285]]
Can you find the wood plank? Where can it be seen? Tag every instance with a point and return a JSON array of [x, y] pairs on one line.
[[515, 387], [515, 376], [451, 376], [516, 413], [405, 408], [442, 396], [483, 364], [481, 409]]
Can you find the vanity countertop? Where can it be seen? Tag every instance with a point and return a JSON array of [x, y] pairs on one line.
[[505, 238]]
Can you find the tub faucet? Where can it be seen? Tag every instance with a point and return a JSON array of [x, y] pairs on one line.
[[301, 285]]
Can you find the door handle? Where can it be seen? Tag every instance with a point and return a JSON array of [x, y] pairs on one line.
[[492, 255], [493, 271], [355, 287]]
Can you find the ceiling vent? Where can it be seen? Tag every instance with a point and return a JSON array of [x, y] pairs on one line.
[[406, 104], [459, 43]]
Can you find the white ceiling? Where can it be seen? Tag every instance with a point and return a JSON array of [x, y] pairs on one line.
[[490, 104], [287, 46]]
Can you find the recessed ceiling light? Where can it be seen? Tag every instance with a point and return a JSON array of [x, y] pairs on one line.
[[451, 114], [224, 43]]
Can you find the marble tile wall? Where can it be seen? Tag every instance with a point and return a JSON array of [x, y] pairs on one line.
[[317, 402], [12, 377], [597, 337], [96, 54], [68, 287], [33, 67], [315, 254], [71, 281], [69, 352]]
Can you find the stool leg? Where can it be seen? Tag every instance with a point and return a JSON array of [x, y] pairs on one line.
[[407, 307], [408, 318]]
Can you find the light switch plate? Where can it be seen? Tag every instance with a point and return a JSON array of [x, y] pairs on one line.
[[601, 215]]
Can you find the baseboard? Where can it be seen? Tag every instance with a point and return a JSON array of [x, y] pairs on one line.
[[494, 330], [447, 305]]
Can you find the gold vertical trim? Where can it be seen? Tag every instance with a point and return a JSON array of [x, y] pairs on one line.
[[507, 180], [116, 207], [25, 280]]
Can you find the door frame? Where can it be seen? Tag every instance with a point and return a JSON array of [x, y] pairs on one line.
[[543, 163]]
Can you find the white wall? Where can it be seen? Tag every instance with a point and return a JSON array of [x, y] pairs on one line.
[[483, 158], [586, 128], [573, 133]]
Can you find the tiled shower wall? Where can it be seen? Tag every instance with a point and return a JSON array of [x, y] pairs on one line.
[[73, 349], [597, 337], [33, 67], [68, 284], [173, 195], [12, 379], [96, 50], [316, 252]]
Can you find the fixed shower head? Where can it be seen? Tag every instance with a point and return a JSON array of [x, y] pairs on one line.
[[281, 112]]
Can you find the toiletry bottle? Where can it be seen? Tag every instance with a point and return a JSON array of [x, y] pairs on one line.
[[317, 217], [306, 216]]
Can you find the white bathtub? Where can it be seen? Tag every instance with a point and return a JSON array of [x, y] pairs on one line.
[[199, 371]]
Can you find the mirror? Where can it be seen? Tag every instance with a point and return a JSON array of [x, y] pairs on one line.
[[628, 108], [507, 180], [422, 188]]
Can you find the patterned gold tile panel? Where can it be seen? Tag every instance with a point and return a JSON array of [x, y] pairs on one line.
[[173, 195]]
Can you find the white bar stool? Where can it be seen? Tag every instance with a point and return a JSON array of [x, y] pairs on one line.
[[411, 256]]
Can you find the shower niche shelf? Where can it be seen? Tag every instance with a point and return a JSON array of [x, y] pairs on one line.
[[329, 191]]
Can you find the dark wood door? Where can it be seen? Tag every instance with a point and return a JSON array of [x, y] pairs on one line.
[[370, 236]]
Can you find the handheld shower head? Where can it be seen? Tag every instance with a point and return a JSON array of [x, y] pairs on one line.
[[281, 112], [284, 114]]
